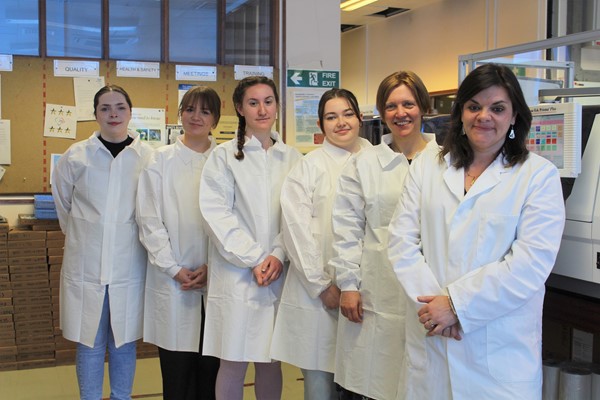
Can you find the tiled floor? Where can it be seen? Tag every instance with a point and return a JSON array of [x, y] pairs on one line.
[[60, 383]]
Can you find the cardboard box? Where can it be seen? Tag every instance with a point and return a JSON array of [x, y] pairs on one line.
[[6, 318], [7, 334], [5, 286], [28, 340], [28, 268], [33, 308], [4, 252], [6, 293], [26, 244], [31, 364], [32, 300], [7, 341], [35, 347], [6, 301], [7, 358], [41, 331], [29, 285], [55, 251], [6, 310], [8, 366], [44, 355], [53, 259], [48, 228], [65, 356], [55, 235], [31, 327], [7, 327], [35, 251], [40, 315], [55, 243], [4, 278], [55, 267], [32, 276], [4, 235], [27, 259], [22, 235], [8, 351], [4, 268]]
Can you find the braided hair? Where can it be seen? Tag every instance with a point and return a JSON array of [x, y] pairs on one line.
[[238, 100]]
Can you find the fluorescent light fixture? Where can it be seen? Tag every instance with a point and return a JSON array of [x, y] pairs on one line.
[[351, 5]]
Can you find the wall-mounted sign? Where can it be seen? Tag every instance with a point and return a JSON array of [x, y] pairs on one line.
[[76, 68], [137, 69], [243, 71], [195, 73], [314, 79], [6, 62]]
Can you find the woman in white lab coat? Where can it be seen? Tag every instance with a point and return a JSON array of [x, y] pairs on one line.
[[102, 277], [172, 231], [473, 240], [370, 343], [306, 325], [239, 199]]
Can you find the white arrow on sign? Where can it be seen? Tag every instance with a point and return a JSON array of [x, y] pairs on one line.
[[296, 78]]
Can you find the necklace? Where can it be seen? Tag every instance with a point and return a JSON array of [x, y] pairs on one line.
[[473, 178]]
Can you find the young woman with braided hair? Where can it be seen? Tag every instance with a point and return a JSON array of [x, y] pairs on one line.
[[239, 199]]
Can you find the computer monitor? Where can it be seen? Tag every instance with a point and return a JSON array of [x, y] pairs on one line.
[[555, 134]]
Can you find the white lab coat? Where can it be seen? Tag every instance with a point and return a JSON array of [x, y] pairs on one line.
[[492, 250], [171, 230], [369, 354], [240, 202], [95, 201], [305, 330]]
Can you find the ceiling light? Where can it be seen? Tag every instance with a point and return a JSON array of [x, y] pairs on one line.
[[351, 5]]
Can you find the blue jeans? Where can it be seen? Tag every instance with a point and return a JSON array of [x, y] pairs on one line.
[[89, 363], [319, 385]]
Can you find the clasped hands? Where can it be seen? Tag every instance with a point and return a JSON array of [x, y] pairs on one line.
[[191, 280], [437, 317], [268, 271]]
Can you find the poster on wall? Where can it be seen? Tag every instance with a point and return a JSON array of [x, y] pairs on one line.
[[5, 142], [85, 90], [306, 104], [60, 121], [149, 123]]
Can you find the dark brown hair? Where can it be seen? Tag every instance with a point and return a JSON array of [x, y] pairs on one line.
[[238, 100], [481, 78], [111, 88], [338, 93], [206, 97]]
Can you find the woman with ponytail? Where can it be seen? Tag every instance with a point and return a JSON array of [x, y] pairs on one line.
[[239, 199]]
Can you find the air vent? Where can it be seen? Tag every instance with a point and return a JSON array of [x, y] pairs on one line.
[[348, 27], [388, 12]]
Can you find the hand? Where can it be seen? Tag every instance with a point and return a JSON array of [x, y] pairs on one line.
[[331, 297], [351, 306], [199, 278], [268, 271], [183, 277], [436, 315]]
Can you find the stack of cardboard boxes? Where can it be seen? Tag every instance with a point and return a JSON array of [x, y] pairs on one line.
[[30, 262]]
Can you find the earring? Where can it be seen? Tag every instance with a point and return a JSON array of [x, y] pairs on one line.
[[463, 131], [511, 134]]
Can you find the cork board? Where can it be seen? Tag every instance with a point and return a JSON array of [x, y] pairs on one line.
[[31, 85]]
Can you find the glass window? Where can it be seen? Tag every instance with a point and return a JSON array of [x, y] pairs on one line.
[[248, 32], [135, 30], [74, 28], [193, 31], [19, 28]]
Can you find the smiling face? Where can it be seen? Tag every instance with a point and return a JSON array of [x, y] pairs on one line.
[[340, 123], [113, 115], [197, 120], [259, 107], [487, 118], [401, 113]]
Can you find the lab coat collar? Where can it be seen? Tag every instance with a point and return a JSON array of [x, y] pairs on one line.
[[341, 155], [188, 155], [386, 155], [253, 143], [136, 145], [454, 178]]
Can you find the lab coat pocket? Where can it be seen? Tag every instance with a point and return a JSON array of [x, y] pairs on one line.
[[511, 342], [495, 235]]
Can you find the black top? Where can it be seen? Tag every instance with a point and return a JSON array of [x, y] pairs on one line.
[[116, 148]]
